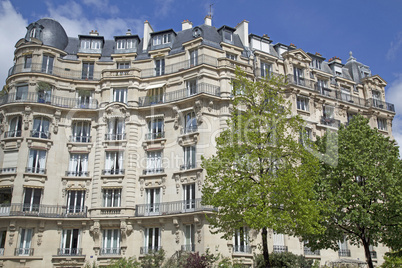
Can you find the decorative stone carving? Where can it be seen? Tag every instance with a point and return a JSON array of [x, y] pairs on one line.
[[198, 112], [94, 230], [41, 229], [56, 121], [27, 119], [210, 106], [176, 117]]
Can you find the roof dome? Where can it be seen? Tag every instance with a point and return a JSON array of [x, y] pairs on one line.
[[50, 32]]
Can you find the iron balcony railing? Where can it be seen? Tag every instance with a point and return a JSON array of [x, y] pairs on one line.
[[12, 134], [55, 71], [381, 105], [278, 248], [40, 134], [344, 253], [180, 66], [189, 129], [24, 252], [112, 171], [69, 251], [300, 81], [115, 137], [327, 121], [188, 248], [8, 170], [80, 139], [308, 251], [179, 94], [187, 166], [156, 170], [35, 170], [32, 97], [77, 173], [175, 207], [149, 250], [47, 211], [154, 136], [242, 249], [110, 251]]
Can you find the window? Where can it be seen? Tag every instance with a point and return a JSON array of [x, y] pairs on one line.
[[377, 99], [120, 95], [3, 234], [123, 65], [193, 57], [298, 76], [36, 161], [45, 95], [156, 95], [81, 131], [189, 157], [228, 36], [302, 103], [162, 39], [15, 127], [279, 243], [316, 63], [189, 238], [24, 248], [265, 69], [84, 100], [382, 123], [345, 94], [85, 43], [322, 87], [305, 134], [47, 64], [155, 129], [111, 242], [189, 196], [328, 111], [27, 62], [191, 87], [190, 123], [240, 240], [32, 199], [75, 201], [88, 70], [343, 248], [111, 198], [231, 56], [78, 165], [34, 33], [116, 129], [41, 128], [91, 44], [22, 93], [70, 242], [159, 67], [6, 195], [153, 200], [154, 162], [125, 43], [350, 116], [114, 163], [152, 240]]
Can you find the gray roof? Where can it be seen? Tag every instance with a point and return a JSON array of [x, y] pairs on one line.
[[53, 34]]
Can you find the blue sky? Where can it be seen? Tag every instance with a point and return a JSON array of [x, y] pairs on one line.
[[372, 30]]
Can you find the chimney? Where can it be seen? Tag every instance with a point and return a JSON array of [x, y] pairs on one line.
[[242, 31], [94, 33], [186, 24], [147, 34], [208, 20], [128, 32]]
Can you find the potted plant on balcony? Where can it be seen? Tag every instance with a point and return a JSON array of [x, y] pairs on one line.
[[43, 89]]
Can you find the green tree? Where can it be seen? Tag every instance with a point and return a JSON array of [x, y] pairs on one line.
[[256, 178], [125, 263], [362, 191], [154, 259]]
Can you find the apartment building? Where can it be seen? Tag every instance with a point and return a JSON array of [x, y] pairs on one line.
[[101, 140]]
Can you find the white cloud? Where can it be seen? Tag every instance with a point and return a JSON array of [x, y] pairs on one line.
[[102, 6], [394, 95], [395, 46], [12, 28], [163, 7]]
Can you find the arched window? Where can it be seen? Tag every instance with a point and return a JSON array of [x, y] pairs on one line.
[[15, 127]]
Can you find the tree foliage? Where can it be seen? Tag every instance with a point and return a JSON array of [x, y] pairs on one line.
[[261, 176], [285, 260], [362, 193]]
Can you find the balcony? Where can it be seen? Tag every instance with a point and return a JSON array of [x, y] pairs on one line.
[[63, 102], [107, 172], [12, 134], [81, 139], [300, 81], [308, 251], [24, 252], [55, 71], [167, 208], [149, 250], [8, 170], [350, 99], [278, 248], [115, 137], [69, 251], [110, 251], [47, 211], [242, 249], [156, 170], [331, 122], [187, 166], [179, 94], [155, 136], [40, 134], [344, 253], [35, 170], [77, 173], [381, 105], [188, 248], [189, 130], [180, 66]]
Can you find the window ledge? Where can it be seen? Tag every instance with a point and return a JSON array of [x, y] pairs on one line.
[[303, 112]]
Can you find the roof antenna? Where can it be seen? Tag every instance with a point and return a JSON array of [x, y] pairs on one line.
[[210, 10]]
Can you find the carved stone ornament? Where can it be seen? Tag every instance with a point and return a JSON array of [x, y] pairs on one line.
[[27, 119], [94, 230], [56, 121], [198, 112], [116, 111], [176, 117], [2, 121]]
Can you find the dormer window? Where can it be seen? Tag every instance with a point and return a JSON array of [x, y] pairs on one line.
[[91, 44], [125, 43], [34, 31], [162, 39], [315, 63], [228, 36]]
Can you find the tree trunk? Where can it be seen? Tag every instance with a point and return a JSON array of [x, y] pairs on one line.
[[367, 253], [265, 247]]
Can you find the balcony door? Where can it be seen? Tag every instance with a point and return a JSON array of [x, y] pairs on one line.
[[152, 240], [25, 242], [189, 196], [41, 128], [153, 200], [76, 201], [69, 242], [32, 199]]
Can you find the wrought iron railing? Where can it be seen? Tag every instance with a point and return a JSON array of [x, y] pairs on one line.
[[154, 136], [149, 250], [115, 137], [40, 134], [187, 166], [242, 248], [327, 121], [381, 105], [80, 138], [344, 253], [190, 247], [156, 170], [12, 134], [175, 207], [189, 129], [180, 94], [77, 173], [110, 251], [69, 251], [35, 170], [300, 81], [8, 170], [308, 251], [280, 248], [24, 252], [112, 171], [47, 211]]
